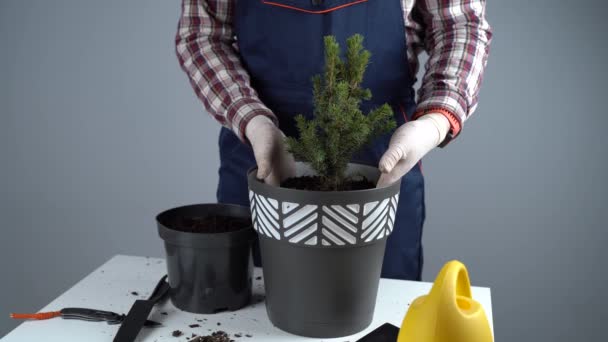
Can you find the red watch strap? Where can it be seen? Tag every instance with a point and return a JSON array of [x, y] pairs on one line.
[[455, 125]]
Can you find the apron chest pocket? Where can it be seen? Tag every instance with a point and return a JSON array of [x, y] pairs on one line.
[[313, 6]]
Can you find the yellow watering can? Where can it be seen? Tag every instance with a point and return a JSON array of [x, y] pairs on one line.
[[448, 313]]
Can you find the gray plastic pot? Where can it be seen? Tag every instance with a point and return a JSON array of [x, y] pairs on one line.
[[207, 272], [322, 253]]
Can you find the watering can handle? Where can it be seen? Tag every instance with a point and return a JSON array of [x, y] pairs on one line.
[[448, 313], [452, 282]]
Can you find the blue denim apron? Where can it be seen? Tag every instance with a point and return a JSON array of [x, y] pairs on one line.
[[281, 46]]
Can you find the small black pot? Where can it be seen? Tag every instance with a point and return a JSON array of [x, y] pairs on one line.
[[322, 253], [207, 272]]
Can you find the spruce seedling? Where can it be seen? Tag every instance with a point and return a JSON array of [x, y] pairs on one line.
[[339, 128]]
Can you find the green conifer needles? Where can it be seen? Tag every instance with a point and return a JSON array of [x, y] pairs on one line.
[[339, 128]]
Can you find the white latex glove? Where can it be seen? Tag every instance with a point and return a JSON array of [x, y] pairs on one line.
[[275, 164], [409, 144]]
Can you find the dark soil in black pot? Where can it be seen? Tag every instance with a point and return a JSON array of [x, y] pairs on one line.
[[208, 248], [209, 224]]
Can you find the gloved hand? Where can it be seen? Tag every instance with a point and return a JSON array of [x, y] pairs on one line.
[[409, 144], [274, 162]]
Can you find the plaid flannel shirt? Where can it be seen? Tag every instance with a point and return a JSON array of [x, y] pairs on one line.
[[454, 33]]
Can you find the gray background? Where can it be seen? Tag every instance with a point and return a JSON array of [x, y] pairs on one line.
[[100, 130]]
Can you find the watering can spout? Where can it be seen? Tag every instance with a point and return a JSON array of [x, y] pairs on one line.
[[448, 313]]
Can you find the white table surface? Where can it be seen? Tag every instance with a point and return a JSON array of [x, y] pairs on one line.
[[109, 288]]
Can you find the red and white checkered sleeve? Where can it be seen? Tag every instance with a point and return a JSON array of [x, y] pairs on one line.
[[457, 38], [205, 50]]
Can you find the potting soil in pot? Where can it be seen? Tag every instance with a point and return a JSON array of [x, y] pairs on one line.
[[208, 248], [314, 183], [209, 224]]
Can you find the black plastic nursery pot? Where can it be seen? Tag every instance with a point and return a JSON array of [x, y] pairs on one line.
[[322, 253], [209, 263]]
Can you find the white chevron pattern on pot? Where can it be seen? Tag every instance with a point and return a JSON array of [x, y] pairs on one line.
[[265, 215], [339, 225], [328, 225], [300, 222], [392, 213]]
